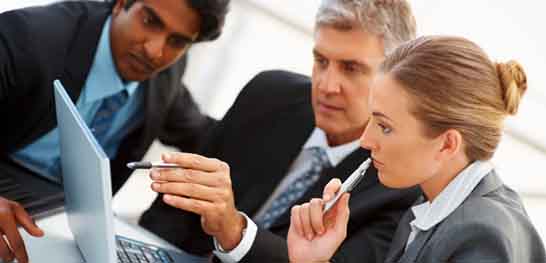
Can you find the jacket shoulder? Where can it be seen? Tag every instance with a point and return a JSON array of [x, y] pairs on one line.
[[499, 209], [492, 226], [274, 89], [47, 26], [42, 35]]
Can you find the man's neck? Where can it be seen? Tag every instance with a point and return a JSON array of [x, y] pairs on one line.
[[340, 139], [345, 137]]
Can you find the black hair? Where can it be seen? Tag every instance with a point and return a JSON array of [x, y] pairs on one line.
[[213, 14]]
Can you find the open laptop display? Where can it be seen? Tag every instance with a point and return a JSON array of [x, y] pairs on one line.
[[88, 194]]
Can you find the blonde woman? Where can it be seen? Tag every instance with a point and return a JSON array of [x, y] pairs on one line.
[[437, 117]]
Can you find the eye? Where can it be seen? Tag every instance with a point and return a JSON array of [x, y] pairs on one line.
[[350, 67], [321, 62], [384, 129], [149, 21]]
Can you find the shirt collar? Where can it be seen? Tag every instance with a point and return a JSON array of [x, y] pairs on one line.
[[427, 214], [335, 154], [103, 80]]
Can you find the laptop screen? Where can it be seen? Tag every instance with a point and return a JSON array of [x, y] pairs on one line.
[[86, 181]]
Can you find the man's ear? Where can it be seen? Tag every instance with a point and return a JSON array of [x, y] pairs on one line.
[[451, 143], [118, 6]]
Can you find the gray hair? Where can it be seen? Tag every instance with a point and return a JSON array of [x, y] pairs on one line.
[[390, 19]]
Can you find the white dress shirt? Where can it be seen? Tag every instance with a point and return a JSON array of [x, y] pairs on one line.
[[301, 164], [428, 215]]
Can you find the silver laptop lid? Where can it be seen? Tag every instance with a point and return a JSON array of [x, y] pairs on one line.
[[86, 180]]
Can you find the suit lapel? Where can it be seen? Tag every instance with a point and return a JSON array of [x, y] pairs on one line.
[[159, 92], [400, 238], [82, 53], [414, 249]]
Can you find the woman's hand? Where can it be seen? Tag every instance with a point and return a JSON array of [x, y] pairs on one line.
[[314, 237]]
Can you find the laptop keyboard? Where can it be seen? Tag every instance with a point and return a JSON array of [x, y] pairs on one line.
[[132, 251]]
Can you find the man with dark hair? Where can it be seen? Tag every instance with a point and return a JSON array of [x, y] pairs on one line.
[[121, 63]]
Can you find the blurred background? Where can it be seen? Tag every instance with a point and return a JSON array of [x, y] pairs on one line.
[[262, 35]]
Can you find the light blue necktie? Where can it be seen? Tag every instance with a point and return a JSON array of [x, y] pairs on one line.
[[319, 161]]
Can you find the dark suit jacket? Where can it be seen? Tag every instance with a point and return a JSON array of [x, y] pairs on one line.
[[40, 44], [260, 137], [491, 225]]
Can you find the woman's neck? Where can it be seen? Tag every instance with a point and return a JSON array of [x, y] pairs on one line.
[[436, 184]]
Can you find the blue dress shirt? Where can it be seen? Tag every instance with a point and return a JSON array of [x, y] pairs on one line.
[[42, 156]]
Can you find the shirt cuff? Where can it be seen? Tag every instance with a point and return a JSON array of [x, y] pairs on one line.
[[236, 254]]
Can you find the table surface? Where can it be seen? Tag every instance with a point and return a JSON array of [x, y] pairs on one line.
[[58, 244]]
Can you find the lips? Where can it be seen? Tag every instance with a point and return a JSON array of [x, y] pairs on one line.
[[377, 163], [328, 107]]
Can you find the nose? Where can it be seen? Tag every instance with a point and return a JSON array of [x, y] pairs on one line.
[[330, 81], [367, 140], [154, 48]]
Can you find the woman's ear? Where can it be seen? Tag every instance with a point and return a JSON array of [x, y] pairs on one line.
[[451, 144]]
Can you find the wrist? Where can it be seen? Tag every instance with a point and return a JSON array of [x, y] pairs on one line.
[[233, 233]]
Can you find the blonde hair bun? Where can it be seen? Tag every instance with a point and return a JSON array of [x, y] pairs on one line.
[[513, 83]]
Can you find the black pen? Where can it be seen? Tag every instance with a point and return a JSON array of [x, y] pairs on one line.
[[150, 165]]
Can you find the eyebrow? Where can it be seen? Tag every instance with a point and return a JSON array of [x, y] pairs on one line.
[[156, 17], [381, 115], [317, 54], [362, 64]]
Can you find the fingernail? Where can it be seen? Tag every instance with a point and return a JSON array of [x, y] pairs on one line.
[[166, 156], [154, 175], [326, 197], [167, 198], [309, 237], [155, 186]]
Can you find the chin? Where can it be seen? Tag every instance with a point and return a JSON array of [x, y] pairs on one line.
[[136, 77], [128, 73], [328, 125], [390, 181]]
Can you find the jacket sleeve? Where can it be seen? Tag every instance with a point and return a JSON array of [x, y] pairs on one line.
[[7, 71]]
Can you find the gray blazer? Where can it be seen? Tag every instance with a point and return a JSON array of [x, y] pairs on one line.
[[491, 225]]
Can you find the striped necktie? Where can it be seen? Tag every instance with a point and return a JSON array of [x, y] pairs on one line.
[[292, 193]]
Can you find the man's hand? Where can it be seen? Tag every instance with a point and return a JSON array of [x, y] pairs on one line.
[[13, 214], [204, 188]]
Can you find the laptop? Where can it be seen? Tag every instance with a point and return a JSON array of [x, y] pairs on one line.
[[88, 195]]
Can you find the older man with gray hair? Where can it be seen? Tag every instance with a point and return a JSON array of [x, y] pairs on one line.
[[283, 139]]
